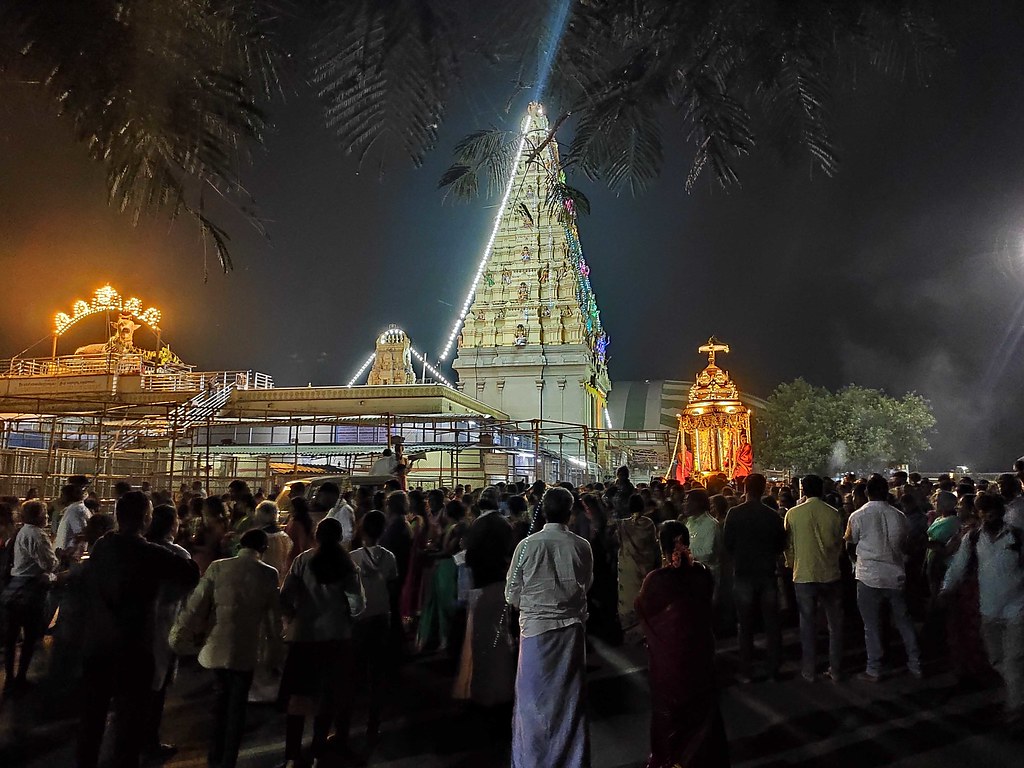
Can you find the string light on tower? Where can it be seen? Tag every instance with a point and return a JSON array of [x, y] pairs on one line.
[[361, 371], [433, 371], [490, 241]]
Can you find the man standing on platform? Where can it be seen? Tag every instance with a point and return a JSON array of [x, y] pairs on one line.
[[551, 572], [814, 540]]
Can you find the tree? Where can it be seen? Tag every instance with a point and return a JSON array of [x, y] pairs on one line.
[[170, 94], [809, 429]]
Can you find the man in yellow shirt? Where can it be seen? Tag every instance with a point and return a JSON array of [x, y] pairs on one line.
[[814, 540]]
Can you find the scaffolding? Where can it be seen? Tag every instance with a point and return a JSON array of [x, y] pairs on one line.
[[166, 444]]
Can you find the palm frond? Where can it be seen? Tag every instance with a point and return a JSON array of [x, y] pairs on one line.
[[161, 93], [565, 202], [383, 68], [489, 153], [619, 144]]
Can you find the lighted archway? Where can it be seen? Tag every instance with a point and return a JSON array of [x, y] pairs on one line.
[[104, 300]]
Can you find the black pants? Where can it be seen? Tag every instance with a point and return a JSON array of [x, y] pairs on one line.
[[229, 716], [155, 713], [753, 595], [26, 620], [122, 679], [370, 644]]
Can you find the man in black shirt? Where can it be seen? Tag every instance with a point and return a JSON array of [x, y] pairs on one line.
[[488, 542], [120, 582], [754, 538]]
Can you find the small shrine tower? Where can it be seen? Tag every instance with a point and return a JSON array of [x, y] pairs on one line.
[[714, 428], [532, 343], [393, 361]]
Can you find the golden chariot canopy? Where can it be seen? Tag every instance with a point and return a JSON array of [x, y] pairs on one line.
[[714, 428]]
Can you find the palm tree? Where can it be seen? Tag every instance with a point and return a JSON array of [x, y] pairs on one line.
[[170, 94]]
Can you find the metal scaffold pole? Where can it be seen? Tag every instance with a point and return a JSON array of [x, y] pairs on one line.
[[174, 445]]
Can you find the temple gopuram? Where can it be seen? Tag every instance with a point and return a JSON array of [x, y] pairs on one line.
[[392, 363], [714, 427], [531, 342]]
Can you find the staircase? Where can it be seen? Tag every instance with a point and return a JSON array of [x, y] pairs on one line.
[[201, 407], [196, 410]]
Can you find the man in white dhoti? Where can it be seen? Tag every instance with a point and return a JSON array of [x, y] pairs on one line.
[[551, 572]]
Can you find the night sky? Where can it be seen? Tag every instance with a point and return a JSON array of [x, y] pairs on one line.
[[905, 271]]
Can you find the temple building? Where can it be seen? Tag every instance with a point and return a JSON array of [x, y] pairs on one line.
[[532, 344], [108, 399]]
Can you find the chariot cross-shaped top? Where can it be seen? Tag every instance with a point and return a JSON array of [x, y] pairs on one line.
[[713, 346]]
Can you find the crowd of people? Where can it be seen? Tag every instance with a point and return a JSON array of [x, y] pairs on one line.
[[310, 597]]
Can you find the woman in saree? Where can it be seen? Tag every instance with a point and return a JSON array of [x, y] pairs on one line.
[[638, 556], [419, 559], [674, 608], [439, 606]]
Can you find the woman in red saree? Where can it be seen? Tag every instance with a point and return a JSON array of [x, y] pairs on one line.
[[674, 607]]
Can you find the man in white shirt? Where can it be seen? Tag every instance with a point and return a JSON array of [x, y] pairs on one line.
[[878, 532], [342, 512], [34, 564], [1010, 490], [73, 518], [378, 572], [996, 550], [385, 465], [551, 572]]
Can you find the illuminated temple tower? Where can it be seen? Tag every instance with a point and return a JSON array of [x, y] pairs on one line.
[[392, 363], [532, 343]]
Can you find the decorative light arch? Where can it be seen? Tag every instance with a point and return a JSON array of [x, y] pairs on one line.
[[106, 299]]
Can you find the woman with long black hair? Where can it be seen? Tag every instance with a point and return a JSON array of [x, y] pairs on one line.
[[321, 595]]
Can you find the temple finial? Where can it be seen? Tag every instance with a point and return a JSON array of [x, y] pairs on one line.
[[713, 346]]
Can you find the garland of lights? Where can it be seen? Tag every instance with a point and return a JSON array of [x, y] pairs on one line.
[[490, 241], [415, 353], [106, 299]]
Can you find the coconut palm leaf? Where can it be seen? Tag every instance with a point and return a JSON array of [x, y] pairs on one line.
[[739, 73], [161, 92], [383, 68]]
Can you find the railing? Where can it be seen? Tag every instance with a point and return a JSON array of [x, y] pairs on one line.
[[200, 381], [74, 365], [174, 382], [152, 378]]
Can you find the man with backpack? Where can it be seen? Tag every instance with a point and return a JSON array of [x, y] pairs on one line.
[[993, 551]]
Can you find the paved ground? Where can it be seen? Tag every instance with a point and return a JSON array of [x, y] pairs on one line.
[[900, 722]]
